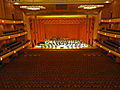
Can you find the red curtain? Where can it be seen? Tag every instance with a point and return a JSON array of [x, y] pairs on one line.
[[71, 28]]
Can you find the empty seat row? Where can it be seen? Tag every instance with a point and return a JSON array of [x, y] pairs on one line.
[[11, 46], [111, 45], [1, 52], [12, 32], [113, 31], [14, 46]]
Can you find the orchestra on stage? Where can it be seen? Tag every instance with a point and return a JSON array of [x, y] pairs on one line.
[[61, 44]]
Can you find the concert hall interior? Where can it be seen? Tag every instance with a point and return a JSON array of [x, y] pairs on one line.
[[60, 44]]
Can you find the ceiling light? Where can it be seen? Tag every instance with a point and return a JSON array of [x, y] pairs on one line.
[[107, 2], [23, 6], [33, 7], [90, 6], [16, 3]]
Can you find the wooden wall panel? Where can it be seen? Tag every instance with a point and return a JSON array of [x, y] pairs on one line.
[[7, 9], [106, 11], [114, 8], [18, 14], [2, 13]]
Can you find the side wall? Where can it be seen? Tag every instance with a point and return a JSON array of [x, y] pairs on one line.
[[7, 9], [114, 8]]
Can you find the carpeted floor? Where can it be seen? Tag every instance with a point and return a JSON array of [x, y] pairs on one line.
[[61, 69]]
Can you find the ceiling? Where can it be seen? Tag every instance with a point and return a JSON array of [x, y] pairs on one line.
[[72, 7], [60, 1]]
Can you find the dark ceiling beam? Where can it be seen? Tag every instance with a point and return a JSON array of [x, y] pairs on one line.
[[42, 13]]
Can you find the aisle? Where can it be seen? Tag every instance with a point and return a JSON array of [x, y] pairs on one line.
[[61, 69]]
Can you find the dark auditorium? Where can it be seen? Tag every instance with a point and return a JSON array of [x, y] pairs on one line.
[[60, 44]]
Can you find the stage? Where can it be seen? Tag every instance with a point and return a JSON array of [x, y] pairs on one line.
[[62, 32]]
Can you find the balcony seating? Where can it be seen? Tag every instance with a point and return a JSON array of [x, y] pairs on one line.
[[8, 44], [11, 32], [115, 43], [1, 52], [113, 31], [9, 47], [111, 45], [12, 46]]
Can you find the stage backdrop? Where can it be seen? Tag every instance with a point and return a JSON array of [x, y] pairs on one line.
[[71, 28]]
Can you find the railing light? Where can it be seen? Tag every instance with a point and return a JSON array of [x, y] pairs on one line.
[[1, 59]]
